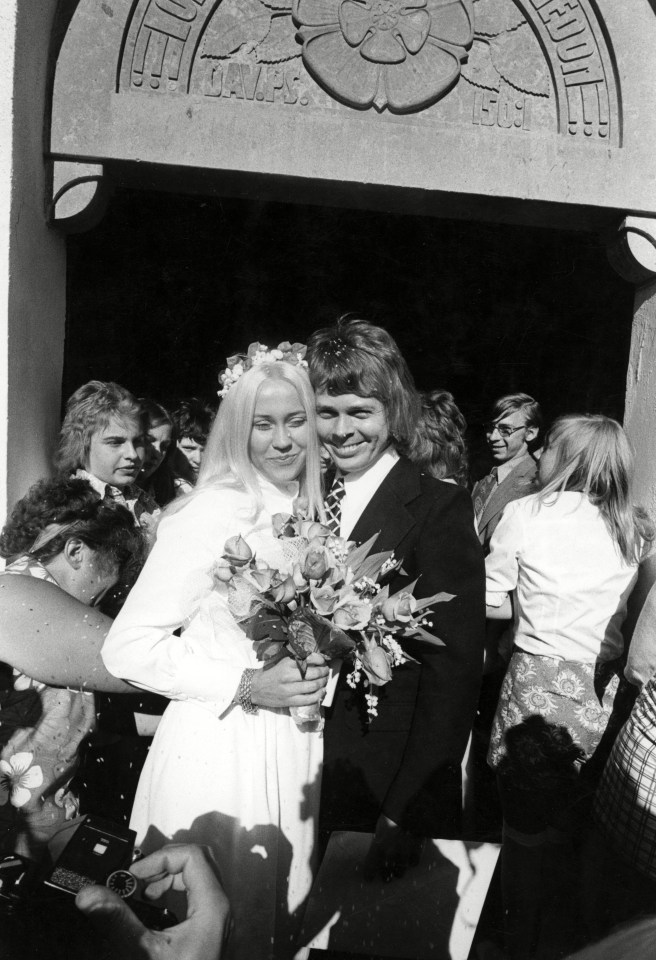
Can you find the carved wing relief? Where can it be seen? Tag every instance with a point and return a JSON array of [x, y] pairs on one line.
[[506, 49]]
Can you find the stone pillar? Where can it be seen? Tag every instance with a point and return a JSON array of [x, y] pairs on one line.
[[640, 414], [32, 256], [633, 254]]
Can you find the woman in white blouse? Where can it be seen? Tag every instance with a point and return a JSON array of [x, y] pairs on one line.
[[569, 558], [229, 767]]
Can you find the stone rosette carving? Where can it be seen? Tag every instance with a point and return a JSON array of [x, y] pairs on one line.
[[403, 55]]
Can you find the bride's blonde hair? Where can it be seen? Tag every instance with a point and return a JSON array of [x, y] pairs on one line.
[[226, 458]]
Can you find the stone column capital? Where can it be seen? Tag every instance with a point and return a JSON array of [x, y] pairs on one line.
[[79, 195], [632, 249]]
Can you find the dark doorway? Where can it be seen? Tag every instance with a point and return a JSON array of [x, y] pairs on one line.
[[166, 286]]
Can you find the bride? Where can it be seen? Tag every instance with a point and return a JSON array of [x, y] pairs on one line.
[[228, 766]]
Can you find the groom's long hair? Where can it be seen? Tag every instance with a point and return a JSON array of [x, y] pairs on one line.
[[355, 356]]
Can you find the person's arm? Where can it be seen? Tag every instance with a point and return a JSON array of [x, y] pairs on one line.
[[142, 646], [53, 638], [641, 661], [500, 611], [502, 562], [200, 936], [425, 796]]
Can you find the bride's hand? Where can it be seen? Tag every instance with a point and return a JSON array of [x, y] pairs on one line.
[[283, 686]]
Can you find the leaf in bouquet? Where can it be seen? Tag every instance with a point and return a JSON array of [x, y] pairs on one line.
[[330, 641], [271, 652], [423, 635], [302, 639], [358, 554], [380, 599], [436, 598], [339, 644], [266, 625], [370, 566]]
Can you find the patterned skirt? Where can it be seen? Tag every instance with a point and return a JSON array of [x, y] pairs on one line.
[[625, 802], [577, 696]]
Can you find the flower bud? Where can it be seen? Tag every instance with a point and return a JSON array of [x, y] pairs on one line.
[[315, 560], [312, 530], [237, 551], [352, 616], [283, 592], [263, 577], [324, 599], [298, 578], [375, 662], [399, 608], [222, 571]]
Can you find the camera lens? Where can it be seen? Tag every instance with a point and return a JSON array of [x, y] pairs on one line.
[[121, 882]]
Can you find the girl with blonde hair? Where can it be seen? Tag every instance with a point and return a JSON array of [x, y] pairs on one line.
[[569, 556], [229, 767]]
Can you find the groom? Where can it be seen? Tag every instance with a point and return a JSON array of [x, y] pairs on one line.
[[398, 776]]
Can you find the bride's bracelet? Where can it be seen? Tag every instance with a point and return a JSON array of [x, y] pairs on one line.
[[244, 691]]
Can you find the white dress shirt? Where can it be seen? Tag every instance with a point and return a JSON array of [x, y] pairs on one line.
[[570, 580], [359, 488]]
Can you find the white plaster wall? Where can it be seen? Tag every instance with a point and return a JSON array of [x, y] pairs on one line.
[[32, 257], [7, 32]]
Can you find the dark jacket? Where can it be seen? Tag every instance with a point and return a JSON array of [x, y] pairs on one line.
[[406, 762], [520, 482]]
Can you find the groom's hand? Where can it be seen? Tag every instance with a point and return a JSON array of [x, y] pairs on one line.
[[178, 867], [392, 851]]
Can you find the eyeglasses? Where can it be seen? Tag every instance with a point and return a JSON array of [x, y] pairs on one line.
[[502, 430]]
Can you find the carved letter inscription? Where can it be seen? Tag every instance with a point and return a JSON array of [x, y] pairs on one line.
[[522, 57], [580, 64]]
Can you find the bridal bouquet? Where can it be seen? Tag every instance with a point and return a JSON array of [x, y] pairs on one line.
[[335, 602]]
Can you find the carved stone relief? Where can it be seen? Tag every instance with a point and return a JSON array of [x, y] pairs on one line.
[[515, 65], [400, 54]]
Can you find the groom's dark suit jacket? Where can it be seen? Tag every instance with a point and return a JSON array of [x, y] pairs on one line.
[[406, 762]]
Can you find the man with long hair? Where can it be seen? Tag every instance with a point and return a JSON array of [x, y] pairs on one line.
[[399, 775]]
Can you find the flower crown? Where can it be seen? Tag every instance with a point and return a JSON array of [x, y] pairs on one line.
[[257, 354]]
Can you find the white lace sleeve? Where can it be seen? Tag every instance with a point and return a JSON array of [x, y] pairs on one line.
[[142, 647]]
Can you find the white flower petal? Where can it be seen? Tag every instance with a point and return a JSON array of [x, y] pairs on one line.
[[32, 777], [20, 796], [20, 762]]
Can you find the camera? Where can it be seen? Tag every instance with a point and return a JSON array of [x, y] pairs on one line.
[[88, 850]]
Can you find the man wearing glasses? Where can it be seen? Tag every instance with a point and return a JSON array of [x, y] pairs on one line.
[[513, 424]]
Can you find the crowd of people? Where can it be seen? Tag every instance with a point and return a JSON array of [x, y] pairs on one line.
[[130, 688]]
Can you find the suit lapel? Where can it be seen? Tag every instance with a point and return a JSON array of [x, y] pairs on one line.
[[386, 513], [508, 490]]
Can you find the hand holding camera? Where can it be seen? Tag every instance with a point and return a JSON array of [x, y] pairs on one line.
[[183, 867]]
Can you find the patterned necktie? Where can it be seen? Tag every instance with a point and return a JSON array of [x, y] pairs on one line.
[[333, 505], [486, 488]]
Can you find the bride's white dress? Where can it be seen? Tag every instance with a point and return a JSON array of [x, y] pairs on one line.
[[246, 785]]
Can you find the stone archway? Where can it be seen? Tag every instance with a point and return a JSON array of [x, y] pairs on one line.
[[358, 91], [532, 111]]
